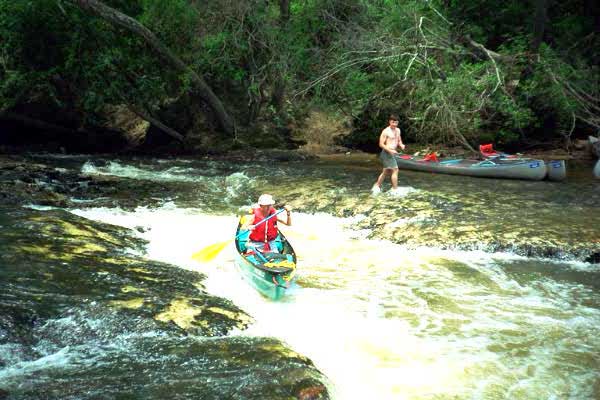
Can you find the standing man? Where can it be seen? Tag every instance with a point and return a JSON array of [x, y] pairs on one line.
[[389, 141]]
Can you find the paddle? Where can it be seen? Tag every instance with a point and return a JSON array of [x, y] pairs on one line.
[[211, 251]]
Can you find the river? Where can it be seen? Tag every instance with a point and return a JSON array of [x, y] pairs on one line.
[[459, 288]]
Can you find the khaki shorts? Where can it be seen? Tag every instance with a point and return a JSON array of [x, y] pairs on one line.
[[388, 160]]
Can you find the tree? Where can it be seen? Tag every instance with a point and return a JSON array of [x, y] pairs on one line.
[[117, 18], [539, 25], [279, 91]]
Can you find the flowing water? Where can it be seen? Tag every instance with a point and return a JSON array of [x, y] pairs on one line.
[[460, 288]]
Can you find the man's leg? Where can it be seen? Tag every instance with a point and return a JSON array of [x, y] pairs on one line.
[[376, 189], [395, 178], [381, 177]]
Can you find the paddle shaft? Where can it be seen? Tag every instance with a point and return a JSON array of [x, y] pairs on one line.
[[260, 255], [263, 220]]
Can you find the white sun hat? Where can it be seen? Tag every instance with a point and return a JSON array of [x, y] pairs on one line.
[[266, 200]]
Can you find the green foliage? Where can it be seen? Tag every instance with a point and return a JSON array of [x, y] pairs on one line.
[[408, 61], [366, 58], [174, 22], [62, 57], [26, 63], [237, 49], [490, 22], [556, 90]]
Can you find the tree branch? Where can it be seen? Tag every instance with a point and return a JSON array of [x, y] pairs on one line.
[[117, 18]]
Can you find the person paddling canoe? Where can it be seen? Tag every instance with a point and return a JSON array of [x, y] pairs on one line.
[[262, 236]]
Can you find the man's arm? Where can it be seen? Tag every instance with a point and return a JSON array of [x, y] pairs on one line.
[[288, 220], [402, 146], [247, 221]]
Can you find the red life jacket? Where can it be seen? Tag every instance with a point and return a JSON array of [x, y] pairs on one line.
[[266, 231], [487, 150], [431, 157]]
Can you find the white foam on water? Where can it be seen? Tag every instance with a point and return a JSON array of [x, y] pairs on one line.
[[170, 174], [38, 207], [60, 156], [62, 359], [401, 191], [385, 322]]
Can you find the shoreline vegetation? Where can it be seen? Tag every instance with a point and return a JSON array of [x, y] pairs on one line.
[[183, 77]]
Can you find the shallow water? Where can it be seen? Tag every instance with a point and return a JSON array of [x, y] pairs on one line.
[[387, 305]]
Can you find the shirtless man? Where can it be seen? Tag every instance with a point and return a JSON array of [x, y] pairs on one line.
[[389, 141]]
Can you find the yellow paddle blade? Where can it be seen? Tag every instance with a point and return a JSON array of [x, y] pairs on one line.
[[210, 252]]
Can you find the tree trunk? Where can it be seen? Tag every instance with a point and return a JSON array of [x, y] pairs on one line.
[[115, 17], [279, 92], [146, 116], [284, 11], [43, 125], [592, 8], [539, 24]]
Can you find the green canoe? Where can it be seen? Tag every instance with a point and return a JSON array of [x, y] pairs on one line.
[[272, 274]]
